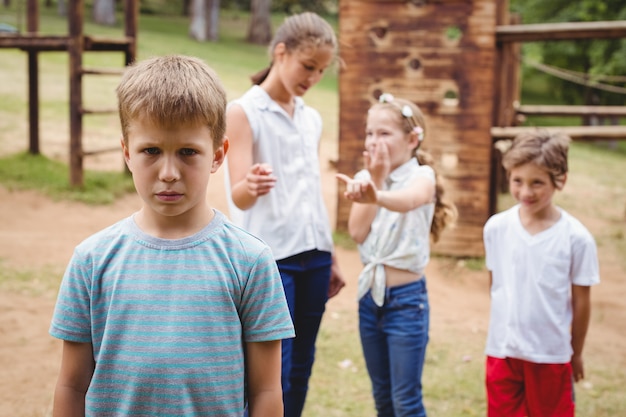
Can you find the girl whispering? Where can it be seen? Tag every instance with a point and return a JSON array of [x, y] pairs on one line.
[[397, 209]]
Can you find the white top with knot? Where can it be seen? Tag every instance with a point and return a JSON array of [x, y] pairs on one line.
[[399, 240], [292, 217]]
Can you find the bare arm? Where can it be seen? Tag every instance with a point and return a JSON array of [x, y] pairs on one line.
[[265, 395], [77, 367], [581, 306], [248, 180], [336, 279], [367, 198]]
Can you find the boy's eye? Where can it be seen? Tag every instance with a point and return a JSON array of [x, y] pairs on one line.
[[187, 152], [151, 151], [309, 67]]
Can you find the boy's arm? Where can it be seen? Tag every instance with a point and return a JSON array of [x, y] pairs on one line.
[[77, 366], [265, 395], [581, 307]]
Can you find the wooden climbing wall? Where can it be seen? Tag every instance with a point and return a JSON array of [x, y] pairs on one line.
[[439, 54]]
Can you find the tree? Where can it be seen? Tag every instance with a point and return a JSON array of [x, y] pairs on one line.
[[104, 12], [260, 28], [597, 59], [204, 20]]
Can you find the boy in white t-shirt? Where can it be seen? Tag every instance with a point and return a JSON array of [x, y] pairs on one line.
[[542, 263]]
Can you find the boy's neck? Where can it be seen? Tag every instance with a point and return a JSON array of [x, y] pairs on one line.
[[536, 222], [173, 227]]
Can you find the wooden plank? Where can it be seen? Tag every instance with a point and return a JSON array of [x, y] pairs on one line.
[[34, 42], [588, 133], [556, 110], [561, 31], [102, 71], [60, 43], [98, 111]]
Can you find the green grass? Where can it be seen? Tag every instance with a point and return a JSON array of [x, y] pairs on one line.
[[31, 282], [36, 172]]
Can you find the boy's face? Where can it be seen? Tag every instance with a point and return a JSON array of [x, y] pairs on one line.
[[171, 169], [532, 186]]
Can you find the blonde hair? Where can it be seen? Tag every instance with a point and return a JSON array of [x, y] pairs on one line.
[[542, 148], [445, 211], [172, 91], [299, 31]]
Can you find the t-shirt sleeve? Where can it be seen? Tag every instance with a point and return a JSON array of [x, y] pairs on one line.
[[71, 319], [585, 270], [264, 312]]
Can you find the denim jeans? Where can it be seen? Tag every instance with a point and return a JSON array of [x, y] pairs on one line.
[[305, 277], [394, 339]]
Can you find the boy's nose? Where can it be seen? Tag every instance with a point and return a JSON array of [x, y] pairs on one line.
[[169, 170]]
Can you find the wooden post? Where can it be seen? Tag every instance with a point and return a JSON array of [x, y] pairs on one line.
[[75, 49], [131, 8], [33, 79]]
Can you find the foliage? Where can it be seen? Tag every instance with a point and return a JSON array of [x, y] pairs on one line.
[[595, 57], [26, 171]]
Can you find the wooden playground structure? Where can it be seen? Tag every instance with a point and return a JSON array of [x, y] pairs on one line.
[[459, 60], [76, 43]]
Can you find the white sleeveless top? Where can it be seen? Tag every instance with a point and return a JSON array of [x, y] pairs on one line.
[[292, 217]]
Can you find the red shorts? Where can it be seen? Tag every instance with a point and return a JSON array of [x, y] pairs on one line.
[[518, 388]]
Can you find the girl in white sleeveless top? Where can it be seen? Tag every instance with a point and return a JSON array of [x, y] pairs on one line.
[[274, 186]]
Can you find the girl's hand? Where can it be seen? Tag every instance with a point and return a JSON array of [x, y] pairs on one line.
[[377, 161], [260, 180], [359, 191]]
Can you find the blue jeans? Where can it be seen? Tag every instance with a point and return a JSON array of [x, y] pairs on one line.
[[394, 339], [305, 277]]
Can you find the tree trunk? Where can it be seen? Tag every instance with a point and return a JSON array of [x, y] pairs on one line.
[[204, 20], [104, 12], [197, 27], [61, 8], [260, 28], [186, 7]]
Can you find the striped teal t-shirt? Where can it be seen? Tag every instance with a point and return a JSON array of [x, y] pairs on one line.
[[167, 318]]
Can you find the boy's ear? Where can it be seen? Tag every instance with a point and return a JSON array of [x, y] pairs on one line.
[[125, 151], [561, 182], [219, 155]]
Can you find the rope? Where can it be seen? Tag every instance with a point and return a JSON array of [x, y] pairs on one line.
[[578, 78]]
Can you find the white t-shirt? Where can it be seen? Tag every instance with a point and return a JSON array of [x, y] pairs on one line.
[[399, 240], [292, 217], [531, 300]]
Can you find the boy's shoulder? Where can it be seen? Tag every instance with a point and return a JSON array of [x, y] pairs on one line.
[[104, 236], [239, 236], [575, 227], [504, 218]]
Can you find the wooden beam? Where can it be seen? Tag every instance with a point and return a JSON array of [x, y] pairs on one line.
[[561, 31], [60, 43], [32, 42], [545, 110], [102, 71], [586, 133]]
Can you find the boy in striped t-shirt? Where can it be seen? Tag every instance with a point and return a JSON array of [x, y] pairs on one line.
[[173, 310]]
